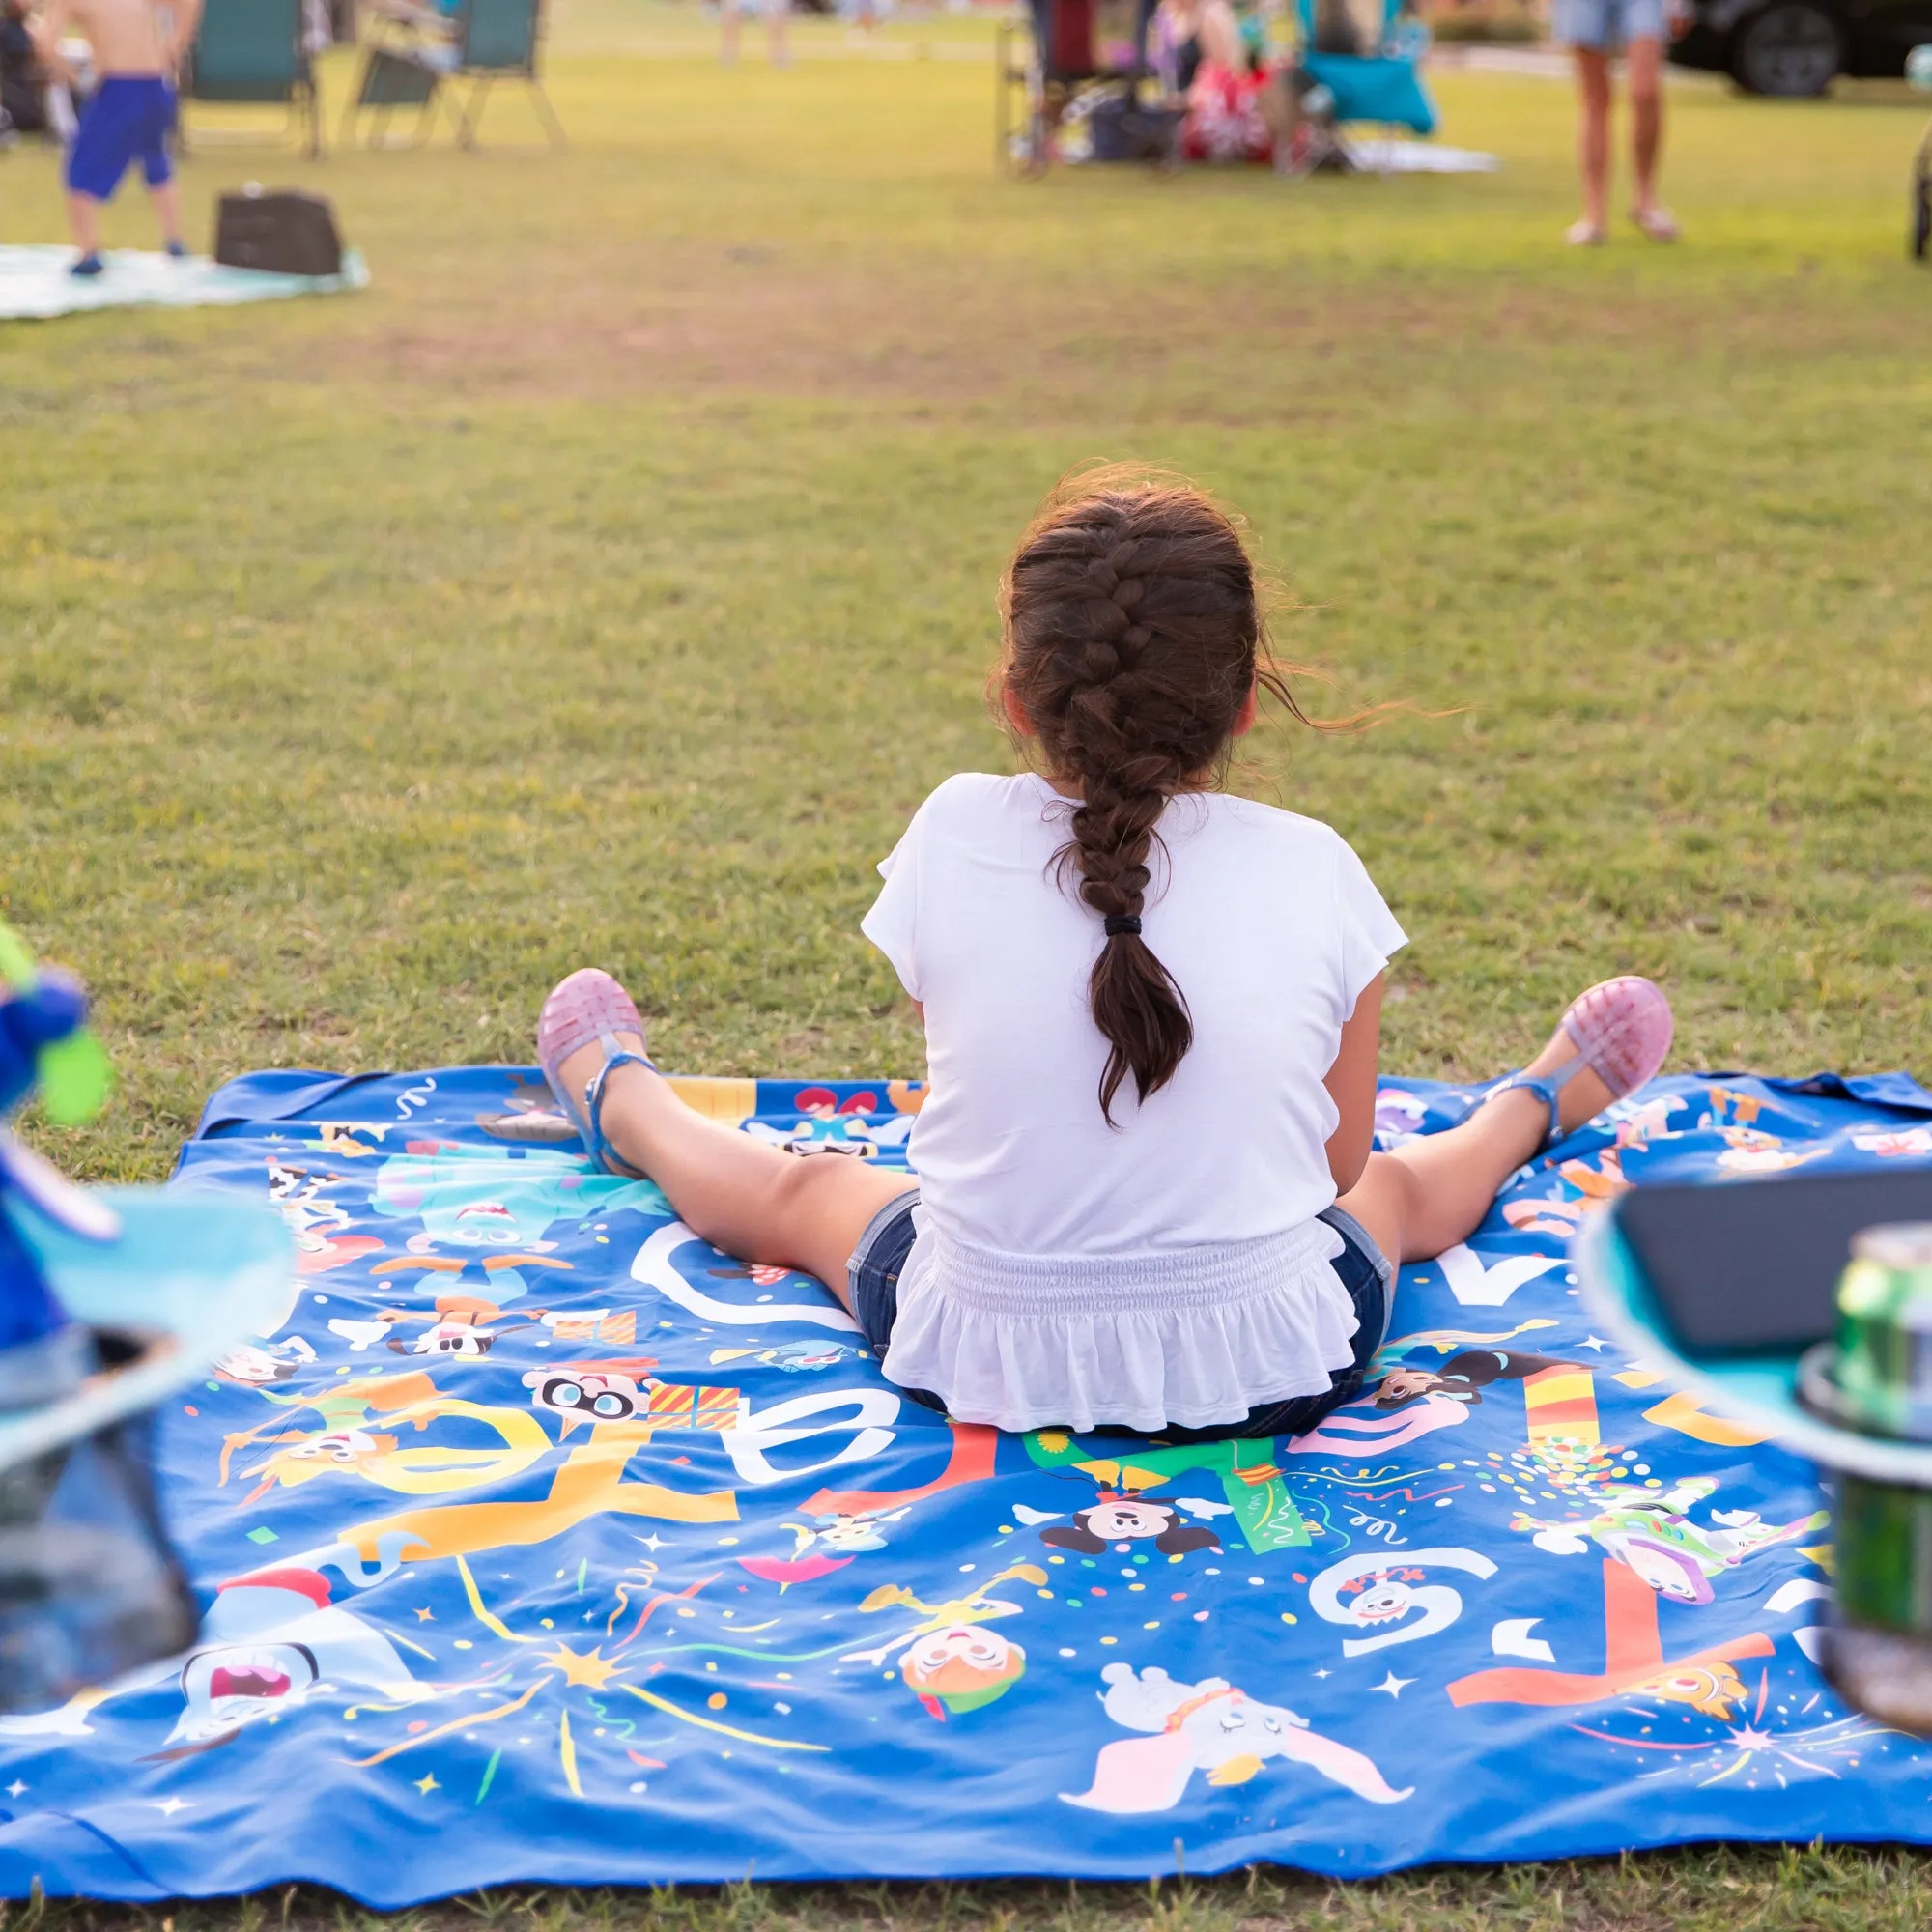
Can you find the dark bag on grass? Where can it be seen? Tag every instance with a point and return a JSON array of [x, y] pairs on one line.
[[286, 233]]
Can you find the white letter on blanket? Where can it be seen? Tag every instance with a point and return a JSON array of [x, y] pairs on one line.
[[768, 1429], [654, 1268], [1475, 1286]]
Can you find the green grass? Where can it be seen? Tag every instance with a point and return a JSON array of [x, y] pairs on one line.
[[613, 578]]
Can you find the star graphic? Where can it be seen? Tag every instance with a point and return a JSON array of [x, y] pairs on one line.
[[1325, 1673], [425, 1616], [1596, 1342], [1394, 1685], [427, 1784], [168, 1807], [653, 1542], [17, 1786], [586, 1667]]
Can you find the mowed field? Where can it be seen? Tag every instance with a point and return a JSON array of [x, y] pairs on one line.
[[611, 579]]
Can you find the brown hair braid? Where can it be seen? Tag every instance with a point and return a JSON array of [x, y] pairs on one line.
[[1133, 637]]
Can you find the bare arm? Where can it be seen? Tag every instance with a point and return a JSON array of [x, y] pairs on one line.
[[1351, 1086], [187, 18], [48, 26]]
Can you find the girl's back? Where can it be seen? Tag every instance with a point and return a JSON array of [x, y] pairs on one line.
[[1270, 927]]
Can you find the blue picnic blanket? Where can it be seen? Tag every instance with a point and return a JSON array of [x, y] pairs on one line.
[[542, 1541]]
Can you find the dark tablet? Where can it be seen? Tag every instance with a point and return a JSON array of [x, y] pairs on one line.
[[1751, 1266]]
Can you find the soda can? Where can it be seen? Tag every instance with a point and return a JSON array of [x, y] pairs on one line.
[[1879, 1647]]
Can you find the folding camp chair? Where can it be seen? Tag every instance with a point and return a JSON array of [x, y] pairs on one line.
[[487, 41], [1380, 83], [1055, 63], [497, 39], [252, 50]]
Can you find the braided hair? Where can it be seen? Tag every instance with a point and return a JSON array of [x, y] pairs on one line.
[[1133, 639]]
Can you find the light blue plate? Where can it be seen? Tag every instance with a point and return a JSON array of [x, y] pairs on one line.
[[1759, 1390], [199, 1273]]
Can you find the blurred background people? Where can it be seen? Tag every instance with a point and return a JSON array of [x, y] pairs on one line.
[[130, 114], [1595, 30], [730, 28]]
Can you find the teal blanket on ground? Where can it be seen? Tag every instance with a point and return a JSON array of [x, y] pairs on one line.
[[542, 1541], [35, 285]]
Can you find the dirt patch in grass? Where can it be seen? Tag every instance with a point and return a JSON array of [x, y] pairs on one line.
[[737, 319]]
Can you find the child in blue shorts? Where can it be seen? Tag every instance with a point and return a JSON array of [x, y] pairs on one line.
[[130, 115]]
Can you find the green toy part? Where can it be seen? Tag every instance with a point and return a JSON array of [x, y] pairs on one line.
[[74, 1073]]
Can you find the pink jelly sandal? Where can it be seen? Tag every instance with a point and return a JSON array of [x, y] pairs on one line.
[[1621, 1030], [589, 1006]]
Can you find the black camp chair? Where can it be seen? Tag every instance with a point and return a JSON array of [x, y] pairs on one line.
[[251, 50], [488, 41], [1057, 62]]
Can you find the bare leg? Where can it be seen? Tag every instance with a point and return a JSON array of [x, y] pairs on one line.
[[83, 216], [1643, 70], [727, 32], [777, 31], [165, 197], [1429, 1194], [1593, 88], [753, 1200]]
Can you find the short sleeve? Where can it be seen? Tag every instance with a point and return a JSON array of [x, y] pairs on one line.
[[1369, 935], [893, 924]]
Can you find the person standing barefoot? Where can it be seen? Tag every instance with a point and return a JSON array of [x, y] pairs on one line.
[[130, 115], [1595, 30]]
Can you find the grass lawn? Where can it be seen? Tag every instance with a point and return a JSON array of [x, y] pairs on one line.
[[611, 580]]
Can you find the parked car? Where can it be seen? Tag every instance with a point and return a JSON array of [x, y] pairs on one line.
[[1798, 47]]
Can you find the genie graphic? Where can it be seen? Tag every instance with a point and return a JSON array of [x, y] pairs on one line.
[[273, 1640], [1208, 1726], [495, 1205]]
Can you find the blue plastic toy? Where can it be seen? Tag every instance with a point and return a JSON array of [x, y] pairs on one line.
[[109, 1300]]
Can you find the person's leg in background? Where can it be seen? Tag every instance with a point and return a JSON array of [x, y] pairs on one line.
[[1593, 142], [1643, 82], [777, 13], [727, 32], [157, 171]]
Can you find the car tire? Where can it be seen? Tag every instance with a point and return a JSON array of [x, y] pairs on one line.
[[1791, 50]]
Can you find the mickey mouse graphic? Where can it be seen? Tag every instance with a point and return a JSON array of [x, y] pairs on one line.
[[1123, 1519]]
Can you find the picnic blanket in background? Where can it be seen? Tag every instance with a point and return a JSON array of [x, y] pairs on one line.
[[541, 1541], [35, 285]]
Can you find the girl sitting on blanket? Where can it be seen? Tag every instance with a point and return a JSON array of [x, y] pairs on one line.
[[1146, 1194]]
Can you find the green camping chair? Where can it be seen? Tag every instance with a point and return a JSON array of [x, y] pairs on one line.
[[488, 41], [496, 39], [251, 50]]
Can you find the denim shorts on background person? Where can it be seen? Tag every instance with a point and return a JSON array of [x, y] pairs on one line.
[[1606, 25], [1369, 1275]]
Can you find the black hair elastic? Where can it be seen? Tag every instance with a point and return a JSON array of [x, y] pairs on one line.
[[1118, 923]]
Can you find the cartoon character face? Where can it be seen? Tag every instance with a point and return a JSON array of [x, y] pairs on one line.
[[255, 1367], [1122, 1520], [1668, 1572], [1713, 1689], [1400, 1385], [232, 1685], [1381, 1600], [585, 1395], [342, 1447], [449, 1338], [961, 1668], [848, 1533]]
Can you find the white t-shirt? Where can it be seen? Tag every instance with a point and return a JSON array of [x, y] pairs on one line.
[[1170, 1269]]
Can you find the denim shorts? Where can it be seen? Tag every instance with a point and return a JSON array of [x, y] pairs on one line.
[[1606, 25], [1369, 1275]]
